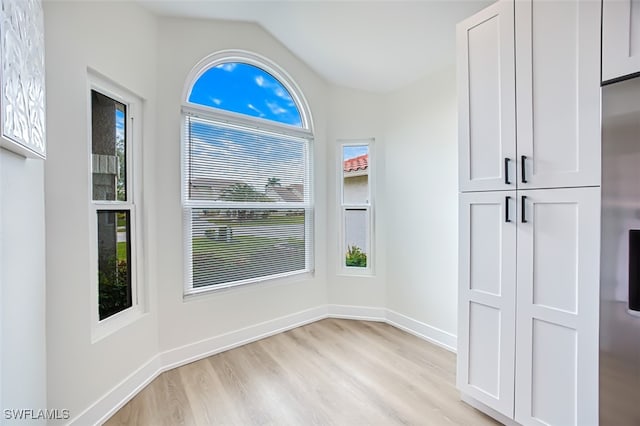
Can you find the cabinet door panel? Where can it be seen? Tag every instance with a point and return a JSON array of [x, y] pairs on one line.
[[486, 97], [558, 93], [486, 335], [557, 307], [620, 38]]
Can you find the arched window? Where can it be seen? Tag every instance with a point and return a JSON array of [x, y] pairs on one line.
[[246, 173]]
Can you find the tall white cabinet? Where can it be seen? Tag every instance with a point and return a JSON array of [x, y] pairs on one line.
[[529, 139]]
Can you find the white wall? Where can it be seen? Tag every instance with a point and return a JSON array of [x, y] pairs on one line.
[[117, 39], [355, 115], [421, 188], [183, 43], [22, 285]]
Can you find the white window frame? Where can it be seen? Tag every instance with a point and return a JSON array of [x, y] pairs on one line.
[[369, 270], [133, 147], [305, 131]]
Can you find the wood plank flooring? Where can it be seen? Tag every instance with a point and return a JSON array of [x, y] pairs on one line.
[[331, 372]]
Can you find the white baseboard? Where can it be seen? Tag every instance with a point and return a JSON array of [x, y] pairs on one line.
[[122, 393], [363, 313], [424, 331], [204, 348]]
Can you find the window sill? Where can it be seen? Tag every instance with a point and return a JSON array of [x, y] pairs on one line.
[[356, 272], [115, 323]]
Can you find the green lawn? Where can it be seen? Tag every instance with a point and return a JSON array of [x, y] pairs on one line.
[[122, 250], [244, 257], [270, 221], [245, 244]]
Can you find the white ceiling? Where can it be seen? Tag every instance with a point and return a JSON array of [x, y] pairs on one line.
[[377, 46]]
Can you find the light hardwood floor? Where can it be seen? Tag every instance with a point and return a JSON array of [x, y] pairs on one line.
[[331, 372]]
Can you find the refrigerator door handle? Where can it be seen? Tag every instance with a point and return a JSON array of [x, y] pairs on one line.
[[634, 270]]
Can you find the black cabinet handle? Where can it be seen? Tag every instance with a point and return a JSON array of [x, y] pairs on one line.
[[507, 199], [506, 171], [522, 207], [523, 161]]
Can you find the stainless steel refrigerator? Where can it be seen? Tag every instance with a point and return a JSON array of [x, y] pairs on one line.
[[620, 255]]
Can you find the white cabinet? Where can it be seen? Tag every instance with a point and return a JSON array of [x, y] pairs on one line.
[[557, 307], [487, 274], [558, 93], [529, 249], [486, 100], [528, 303], [620, 38], [549, 75]]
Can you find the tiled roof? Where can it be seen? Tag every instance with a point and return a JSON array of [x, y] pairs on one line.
[[360, 162]]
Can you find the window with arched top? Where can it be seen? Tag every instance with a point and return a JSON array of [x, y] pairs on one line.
[[247, 197]]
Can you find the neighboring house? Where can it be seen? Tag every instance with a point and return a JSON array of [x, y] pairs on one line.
[[355, 172], [209, 189], [356, 179], [291, 193]]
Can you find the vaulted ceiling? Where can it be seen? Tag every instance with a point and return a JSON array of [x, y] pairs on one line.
[[377, 46]]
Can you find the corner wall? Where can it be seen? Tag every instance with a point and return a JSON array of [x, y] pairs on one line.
[[355, 115], [422, 196]]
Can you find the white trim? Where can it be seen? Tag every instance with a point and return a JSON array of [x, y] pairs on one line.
[[424, 331], [101, 410], [369, 270], [134, 142], [211, 346], [246, 57], [363, 313], [105, 407]]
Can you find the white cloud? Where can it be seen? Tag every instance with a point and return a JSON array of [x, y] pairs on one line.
[[216, 101], [260, 81], [229, 66], [275, 108], [253, 108]]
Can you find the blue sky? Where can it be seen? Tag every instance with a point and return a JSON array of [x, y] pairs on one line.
[[119, 124], [245, 89], [354, 151]]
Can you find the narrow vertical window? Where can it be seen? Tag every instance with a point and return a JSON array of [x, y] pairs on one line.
[[113, 203], [356, 209]]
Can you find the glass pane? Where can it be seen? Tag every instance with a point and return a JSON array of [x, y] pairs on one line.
[[108, 148], [248, 90], [356, 232], [230, 245], [114, 262], [355, 174], [227, 163]]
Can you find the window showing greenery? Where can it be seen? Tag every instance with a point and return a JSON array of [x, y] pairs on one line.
[[113, 207], [247, 196], [355, 165], [114, 262]]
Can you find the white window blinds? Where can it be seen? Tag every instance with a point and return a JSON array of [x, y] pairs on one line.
[[247, 203]]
